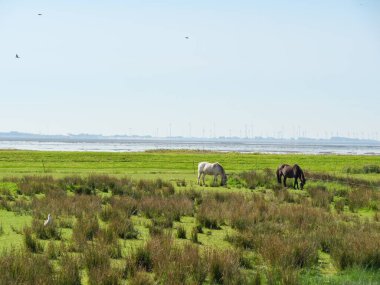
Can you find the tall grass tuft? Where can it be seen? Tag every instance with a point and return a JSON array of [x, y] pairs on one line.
[[175, 265], [358, 198], [123, 227], [320, 196], [339, 205], [141, 278], [97, 262], [69, 272], [32, 243], [194, 235], [52, 252], [85, 229], [31, 185], [25, 268], [355, 249], [223, 267], [181, 232]]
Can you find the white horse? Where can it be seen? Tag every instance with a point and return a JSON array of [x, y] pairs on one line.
[[206, 168]]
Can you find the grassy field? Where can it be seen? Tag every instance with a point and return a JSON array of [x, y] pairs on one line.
[[173, 164], [140, 218]]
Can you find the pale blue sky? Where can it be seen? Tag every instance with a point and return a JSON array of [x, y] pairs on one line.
[[249, 68]]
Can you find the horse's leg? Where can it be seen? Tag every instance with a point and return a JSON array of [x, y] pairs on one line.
[[284, 181], [203, 178], [295, 183], [199, 177], [215, 180]]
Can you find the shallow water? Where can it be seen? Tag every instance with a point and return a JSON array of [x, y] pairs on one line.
[[243, 146]]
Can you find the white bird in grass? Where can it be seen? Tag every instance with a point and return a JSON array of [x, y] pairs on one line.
[[48, 221]]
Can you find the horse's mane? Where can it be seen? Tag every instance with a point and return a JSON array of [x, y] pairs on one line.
[[302, 176], [221, 167]]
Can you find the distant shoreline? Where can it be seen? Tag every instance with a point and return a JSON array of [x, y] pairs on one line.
[[19, 136]]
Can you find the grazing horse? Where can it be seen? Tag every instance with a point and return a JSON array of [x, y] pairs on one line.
[[291, 172], [206, 168]]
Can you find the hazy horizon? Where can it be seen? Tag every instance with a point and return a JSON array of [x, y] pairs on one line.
[[249, 68], [20, 136]]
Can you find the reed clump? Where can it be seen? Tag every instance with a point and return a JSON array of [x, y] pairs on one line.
[[69, 271], [20, 267], [320, 196], [31, 242]]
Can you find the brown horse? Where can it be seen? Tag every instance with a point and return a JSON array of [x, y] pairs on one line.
[[291, 172]]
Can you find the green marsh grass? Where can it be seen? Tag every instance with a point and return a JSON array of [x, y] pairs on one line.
[[120, 218]]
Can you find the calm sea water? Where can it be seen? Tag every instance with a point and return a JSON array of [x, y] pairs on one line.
[[223, 146]]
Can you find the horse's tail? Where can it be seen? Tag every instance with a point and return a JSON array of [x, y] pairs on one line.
[[278, 173]]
